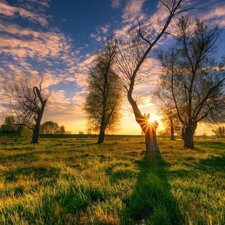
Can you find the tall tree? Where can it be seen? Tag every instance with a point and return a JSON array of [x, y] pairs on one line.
[[193, 78], [103, 100], [130, 59], [28, 105]]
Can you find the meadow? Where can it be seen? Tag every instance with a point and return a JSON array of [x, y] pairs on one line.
[[75, 181]]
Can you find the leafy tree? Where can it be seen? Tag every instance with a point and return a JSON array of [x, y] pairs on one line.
[[62, 130], [9, 125], [50, 127], [81, 132], [103, 100]]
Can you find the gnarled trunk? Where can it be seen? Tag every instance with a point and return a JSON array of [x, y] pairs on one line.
[[36, 129], [188, 135], [150, 138], [101, 136], [149, 129]]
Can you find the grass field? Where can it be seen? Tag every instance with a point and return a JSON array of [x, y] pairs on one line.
[[75, 181]]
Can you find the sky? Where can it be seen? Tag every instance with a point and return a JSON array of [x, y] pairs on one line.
[[58, 40]]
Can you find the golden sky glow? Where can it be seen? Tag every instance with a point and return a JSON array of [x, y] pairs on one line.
[[61, 46]]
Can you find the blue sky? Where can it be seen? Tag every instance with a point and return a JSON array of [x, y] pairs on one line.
[[57, 39]]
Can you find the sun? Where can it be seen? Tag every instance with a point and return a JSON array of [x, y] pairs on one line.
[[153, 118]]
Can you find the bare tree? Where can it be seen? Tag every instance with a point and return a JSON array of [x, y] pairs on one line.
[[130, 59], [28, 105], [173, 126], [219, 132], [193, 78], [103, 100]]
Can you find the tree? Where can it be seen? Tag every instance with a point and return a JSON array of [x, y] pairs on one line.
[[81, 132], [103, 100], [171, 123], [219, 131], [28, 105], [50, 127], [131, 57], [62, 130], [8, 126], [192, 77]]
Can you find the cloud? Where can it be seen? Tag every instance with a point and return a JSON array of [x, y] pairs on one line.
[[215, 16], [116, 4], [83, 70], [101, 32], [132, 10], [12, 11], [32, 52], [105, 28]]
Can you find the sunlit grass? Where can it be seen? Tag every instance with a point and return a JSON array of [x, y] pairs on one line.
[[75, 181]]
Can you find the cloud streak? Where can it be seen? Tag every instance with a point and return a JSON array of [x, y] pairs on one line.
[[11, 11]]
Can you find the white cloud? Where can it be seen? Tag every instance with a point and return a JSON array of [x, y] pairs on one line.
[[132, 10], [101, 32], [12, 11]]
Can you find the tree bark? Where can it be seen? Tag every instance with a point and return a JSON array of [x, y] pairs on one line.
[[172, 137], [143, 120], [150, 138], [101, 136], [36, 129], [188, 135]]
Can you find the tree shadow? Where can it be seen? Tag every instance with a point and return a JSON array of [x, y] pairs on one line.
[[152, 201], [25, 157], [212, 164], [212, 144], [42, 174]]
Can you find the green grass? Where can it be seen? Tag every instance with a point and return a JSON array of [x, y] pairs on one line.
[[74, 181]]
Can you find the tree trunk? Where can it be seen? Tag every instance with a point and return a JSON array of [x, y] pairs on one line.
[[188, 135], [182, 133], [148, 129], [150, 138], [36, 131], [172, 137], [101, 136]]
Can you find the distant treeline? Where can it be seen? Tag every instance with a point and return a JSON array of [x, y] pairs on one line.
[[11, 129]]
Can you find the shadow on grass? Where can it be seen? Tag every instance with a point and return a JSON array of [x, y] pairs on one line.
[[25, 157], [212, 164], [38, 173], [212, 144], [152, 203]]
